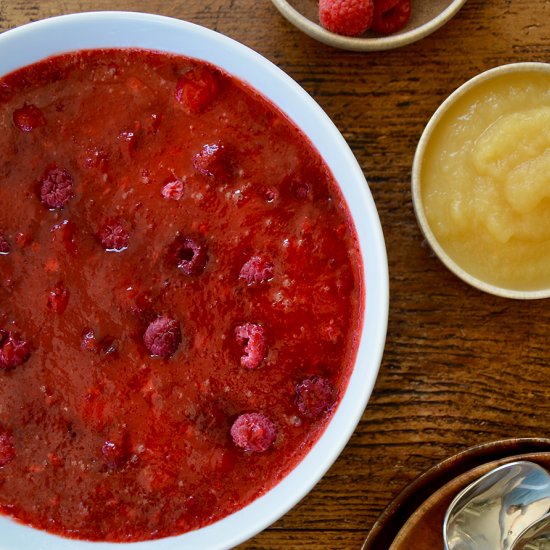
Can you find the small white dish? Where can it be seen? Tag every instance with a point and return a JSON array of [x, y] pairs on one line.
[[438, 124], [427, 16]]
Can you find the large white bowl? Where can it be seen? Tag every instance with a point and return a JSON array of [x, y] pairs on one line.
[[35, 41]]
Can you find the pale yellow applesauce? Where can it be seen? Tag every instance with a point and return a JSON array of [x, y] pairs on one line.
[[485, 181]]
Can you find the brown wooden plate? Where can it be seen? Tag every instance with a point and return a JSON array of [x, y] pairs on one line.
[[415, 518]]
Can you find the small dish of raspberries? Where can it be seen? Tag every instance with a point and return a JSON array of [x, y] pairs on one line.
[[368, 25]]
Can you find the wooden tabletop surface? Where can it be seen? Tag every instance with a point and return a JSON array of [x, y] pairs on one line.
[[460, 367]]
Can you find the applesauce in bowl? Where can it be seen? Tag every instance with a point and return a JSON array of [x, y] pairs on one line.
[[481, 181]]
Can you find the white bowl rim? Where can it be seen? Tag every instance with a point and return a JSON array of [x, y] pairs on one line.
[[366, 44], [72, 33], [481, 78]]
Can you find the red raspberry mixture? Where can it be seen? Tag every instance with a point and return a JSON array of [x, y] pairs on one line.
[[7, 447], [5, 247], [181, 378]]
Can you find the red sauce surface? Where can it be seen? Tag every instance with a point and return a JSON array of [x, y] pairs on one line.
[[180, 295]]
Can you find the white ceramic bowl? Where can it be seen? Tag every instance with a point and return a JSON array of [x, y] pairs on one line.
[[30, 43], [426, 17]]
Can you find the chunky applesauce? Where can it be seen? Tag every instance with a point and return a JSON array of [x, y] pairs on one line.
[[485, 181]]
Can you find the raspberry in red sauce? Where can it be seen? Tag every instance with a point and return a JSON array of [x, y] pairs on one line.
[[212, 161], [253, 338], [253, 432], [14, 351], [5, 247], [189, 255], [114, 237], [89, 341], [162, 337], [56, 187], [115, 451], [257, 270], [314, 396], [173, 190], [58, 299], [7, 447], [64, 234], [197, 89], [28, 117]]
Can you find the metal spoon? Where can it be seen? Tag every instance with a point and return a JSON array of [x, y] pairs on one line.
[[535, 537], [493, 511]]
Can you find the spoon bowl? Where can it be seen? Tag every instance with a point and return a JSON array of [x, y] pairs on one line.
[[492, 512], [535, 537]]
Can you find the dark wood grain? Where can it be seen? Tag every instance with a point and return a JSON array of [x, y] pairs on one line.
[[460, 367]]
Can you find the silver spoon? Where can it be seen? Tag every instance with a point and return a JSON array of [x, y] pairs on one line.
[[493, 511], [535, 537]]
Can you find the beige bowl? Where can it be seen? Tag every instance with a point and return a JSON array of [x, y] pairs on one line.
[[427, 16], [480, 80]]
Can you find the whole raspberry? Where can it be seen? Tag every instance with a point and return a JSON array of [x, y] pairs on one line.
[[197, 89], [162, 337], [14, 351], [5, 247], [173, 190], [7, 447], [314, 396], [390, 15], [346, 17], [28, 117], [253, 338], [56, 187], [114, 237], [253, 432], [256, 270], [189, 255], [212, 161]]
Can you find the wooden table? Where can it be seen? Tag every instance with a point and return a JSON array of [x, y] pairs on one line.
[[460, 367]]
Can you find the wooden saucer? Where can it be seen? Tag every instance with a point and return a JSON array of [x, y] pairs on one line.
[[415, 518]]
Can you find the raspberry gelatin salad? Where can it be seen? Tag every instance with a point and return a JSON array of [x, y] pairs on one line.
[[182, 295]]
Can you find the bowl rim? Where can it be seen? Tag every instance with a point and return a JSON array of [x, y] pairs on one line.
[[416, 184], [42, 39], [367, 44]]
